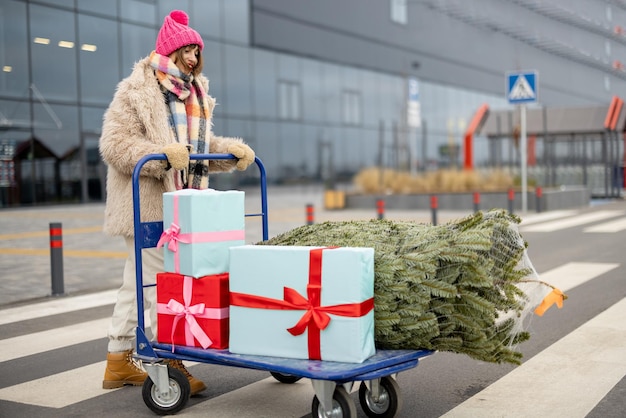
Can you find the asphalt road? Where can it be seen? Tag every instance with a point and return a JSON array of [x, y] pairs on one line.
[[52, 349]]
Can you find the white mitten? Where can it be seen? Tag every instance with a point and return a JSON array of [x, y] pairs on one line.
[[177, 155], [244, 154]]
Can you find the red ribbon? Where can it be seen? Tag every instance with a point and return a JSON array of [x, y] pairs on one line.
[[316, 318]]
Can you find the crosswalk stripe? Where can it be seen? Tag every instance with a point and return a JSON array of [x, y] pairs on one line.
[[570, 275], [614, 226], [57, 306], [546, 216], [572, 221], [39, 342], [291, 400], [61, 389], [550, 383]]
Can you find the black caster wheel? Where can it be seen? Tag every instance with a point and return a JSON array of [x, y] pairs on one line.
[[343, 406], [170, 402], [285, 378], [389, 399]]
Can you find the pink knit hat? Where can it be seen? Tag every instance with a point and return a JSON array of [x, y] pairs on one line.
[[176, 33]]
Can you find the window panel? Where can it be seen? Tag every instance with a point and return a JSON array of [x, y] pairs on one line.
[[98, 50], [53, 52], [92, 119], [13, 50], [59, 137], [236, 18], [351, 101], [311, 91], [140, 11], [64, 3], [289, 100], [138, 43], [264, 76], [14, 114], [399, 12], [212, 56], [108, 8], [331, 93], [238, 100], [205, 17]]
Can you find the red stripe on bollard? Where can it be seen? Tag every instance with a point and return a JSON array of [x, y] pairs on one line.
[[309, 214], [56, 258], [380, 208], [539, 194], [433, 209], [511, 199]]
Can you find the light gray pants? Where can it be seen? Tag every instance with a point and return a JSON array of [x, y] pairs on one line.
[[124, 321]]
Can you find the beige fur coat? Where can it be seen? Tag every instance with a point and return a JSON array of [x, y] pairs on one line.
[[136, 124]]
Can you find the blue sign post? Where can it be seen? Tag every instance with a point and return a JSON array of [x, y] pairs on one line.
[[522, 89]]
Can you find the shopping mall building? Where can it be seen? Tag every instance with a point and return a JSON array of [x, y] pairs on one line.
[[320, 89]]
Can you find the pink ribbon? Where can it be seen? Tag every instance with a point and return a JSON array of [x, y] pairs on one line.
[[172, 237], [190, 313]]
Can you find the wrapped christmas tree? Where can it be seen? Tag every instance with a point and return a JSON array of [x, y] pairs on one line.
[[464, 287]]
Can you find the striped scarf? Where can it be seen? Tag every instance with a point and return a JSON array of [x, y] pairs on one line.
[[189, 118]]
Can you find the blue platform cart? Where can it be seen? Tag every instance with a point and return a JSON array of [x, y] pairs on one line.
[[167, 390]]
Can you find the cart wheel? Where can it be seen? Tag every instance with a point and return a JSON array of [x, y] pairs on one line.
[[343, 406], [389, 399], [285, 378], [170, 402]]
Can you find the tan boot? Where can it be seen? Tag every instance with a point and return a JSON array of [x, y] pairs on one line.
[[196, 385], [122, 370]]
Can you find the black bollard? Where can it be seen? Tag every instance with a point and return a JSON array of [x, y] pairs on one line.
[[433, 208], [380, 208], [56, 258], [309, 214]]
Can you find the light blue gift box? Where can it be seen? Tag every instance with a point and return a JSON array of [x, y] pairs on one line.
[[211, 222], [264, 270]]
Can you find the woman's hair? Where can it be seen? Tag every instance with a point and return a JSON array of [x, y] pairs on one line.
[[198, 68]]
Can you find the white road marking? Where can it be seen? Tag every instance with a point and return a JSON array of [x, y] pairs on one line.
[[61, 389], [39, 342], [546, 216], [567, 379], [570, 275], [572, 221], [265, 398], [614, 226], [57, 306]]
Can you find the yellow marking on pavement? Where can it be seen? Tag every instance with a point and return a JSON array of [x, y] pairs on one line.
[[67, 253], [36, 234]]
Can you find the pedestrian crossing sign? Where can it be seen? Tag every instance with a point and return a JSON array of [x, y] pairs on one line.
[[522, 87]]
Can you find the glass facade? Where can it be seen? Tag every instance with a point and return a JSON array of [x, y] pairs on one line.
[[61, 61]]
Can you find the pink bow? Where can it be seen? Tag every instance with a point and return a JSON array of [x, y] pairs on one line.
[[172, 236], [192, 329]]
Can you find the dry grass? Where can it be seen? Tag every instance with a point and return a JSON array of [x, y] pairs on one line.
[[372, 180]]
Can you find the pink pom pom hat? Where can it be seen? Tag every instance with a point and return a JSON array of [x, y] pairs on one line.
[[176, 33]]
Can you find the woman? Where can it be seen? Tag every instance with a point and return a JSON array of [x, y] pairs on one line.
[[162, 107]]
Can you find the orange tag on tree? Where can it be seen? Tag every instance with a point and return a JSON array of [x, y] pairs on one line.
[[556, 296]]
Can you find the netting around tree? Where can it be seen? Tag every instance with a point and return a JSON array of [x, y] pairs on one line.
[[466, 286]]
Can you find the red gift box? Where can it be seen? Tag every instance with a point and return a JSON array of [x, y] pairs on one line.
[[193, 311]]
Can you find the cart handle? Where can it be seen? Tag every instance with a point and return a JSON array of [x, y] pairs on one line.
[[139, 230]]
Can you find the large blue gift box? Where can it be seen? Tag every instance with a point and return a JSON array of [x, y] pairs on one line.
[[199, 227], [302, 302]]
